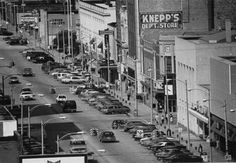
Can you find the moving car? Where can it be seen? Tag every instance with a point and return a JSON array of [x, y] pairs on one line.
[[27, 72], [77, 144], [107, 136], [27, 95], [26, 89], [61, 98], [13, 80]]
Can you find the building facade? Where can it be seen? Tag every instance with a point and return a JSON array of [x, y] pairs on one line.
[[194, 67]]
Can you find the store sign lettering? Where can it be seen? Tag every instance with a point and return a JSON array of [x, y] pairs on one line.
[[168, 20]]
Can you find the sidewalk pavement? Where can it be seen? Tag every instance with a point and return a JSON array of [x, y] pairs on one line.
[[144, 112]]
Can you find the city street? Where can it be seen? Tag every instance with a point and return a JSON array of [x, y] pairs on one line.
[[85, 119]]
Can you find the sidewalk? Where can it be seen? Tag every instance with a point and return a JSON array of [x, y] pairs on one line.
[[144, 112]]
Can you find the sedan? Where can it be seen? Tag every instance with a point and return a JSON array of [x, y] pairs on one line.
[[107, 136], [73, 79], [61, 98], [26, 96], [13, 80]]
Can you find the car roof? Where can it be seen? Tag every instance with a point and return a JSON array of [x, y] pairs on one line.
[[26, 92]]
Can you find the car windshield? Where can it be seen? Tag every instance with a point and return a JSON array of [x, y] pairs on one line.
[[24, 93], [61, 96], [26, 89], [78, 142], [108, 134], [13, 77]]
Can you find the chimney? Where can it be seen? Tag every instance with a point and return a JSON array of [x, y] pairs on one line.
[[228, 30]]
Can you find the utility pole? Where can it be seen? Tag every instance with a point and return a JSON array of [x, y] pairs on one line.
[[187, 112]]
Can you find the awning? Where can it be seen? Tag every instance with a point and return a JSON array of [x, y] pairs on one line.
[[198, 115]]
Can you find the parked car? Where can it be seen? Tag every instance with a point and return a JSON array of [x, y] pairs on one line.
[[17, 41], [182, 158], [26, 96], [61, 98], [118, 123], [69, 106], [115, 109], [168, 143], [168, 152], [13, 80], [107, 136], [131, 124], [42, 59], [27, 72], [5, 32], [73, 79]]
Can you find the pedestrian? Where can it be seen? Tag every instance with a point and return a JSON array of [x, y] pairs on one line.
[[200, 149], [162, 119], [171, 118], [157, 118], [217, 144], [128, 93]]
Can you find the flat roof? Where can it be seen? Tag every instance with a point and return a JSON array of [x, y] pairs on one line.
[[5, 114]]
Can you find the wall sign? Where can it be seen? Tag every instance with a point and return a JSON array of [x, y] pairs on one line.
[[161, 20]]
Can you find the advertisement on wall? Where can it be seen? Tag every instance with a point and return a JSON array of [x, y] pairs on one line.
[[54, 159], [161, 20]]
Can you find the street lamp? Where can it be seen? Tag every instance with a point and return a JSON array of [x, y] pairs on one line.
[[62, 137], [42, 129], [225, 123], [209, 118], [29, 117], [151, 85], [187, 109]]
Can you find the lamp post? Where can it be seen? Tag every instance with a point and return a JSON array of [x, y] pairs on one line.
[[42, 131], [151, 92], [136, 87], [29, 117], [187, 109], [62, 137], [209, 119]]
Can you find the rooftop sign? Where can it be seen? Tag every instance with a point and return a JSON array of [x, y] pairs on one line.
[[161, 20]]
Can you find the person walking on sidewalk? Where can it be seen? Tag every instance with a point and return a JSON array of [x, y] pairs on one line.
[[162, 119], [171, 118], [157, 118], [128, 93]]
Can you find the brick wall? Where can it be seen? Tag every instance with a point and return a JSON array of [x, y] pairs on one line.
[[224, 9]]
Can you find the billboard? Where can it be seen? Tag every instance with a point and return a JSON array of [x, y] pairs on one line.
[[57, 158], [161, 20]]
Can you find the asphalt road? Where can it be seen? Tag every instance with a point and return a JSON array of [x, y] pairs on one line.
[[126, 150]]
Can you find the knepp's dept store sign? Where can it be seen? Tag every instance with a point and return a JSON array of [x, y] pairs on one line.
[[161, 20]]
